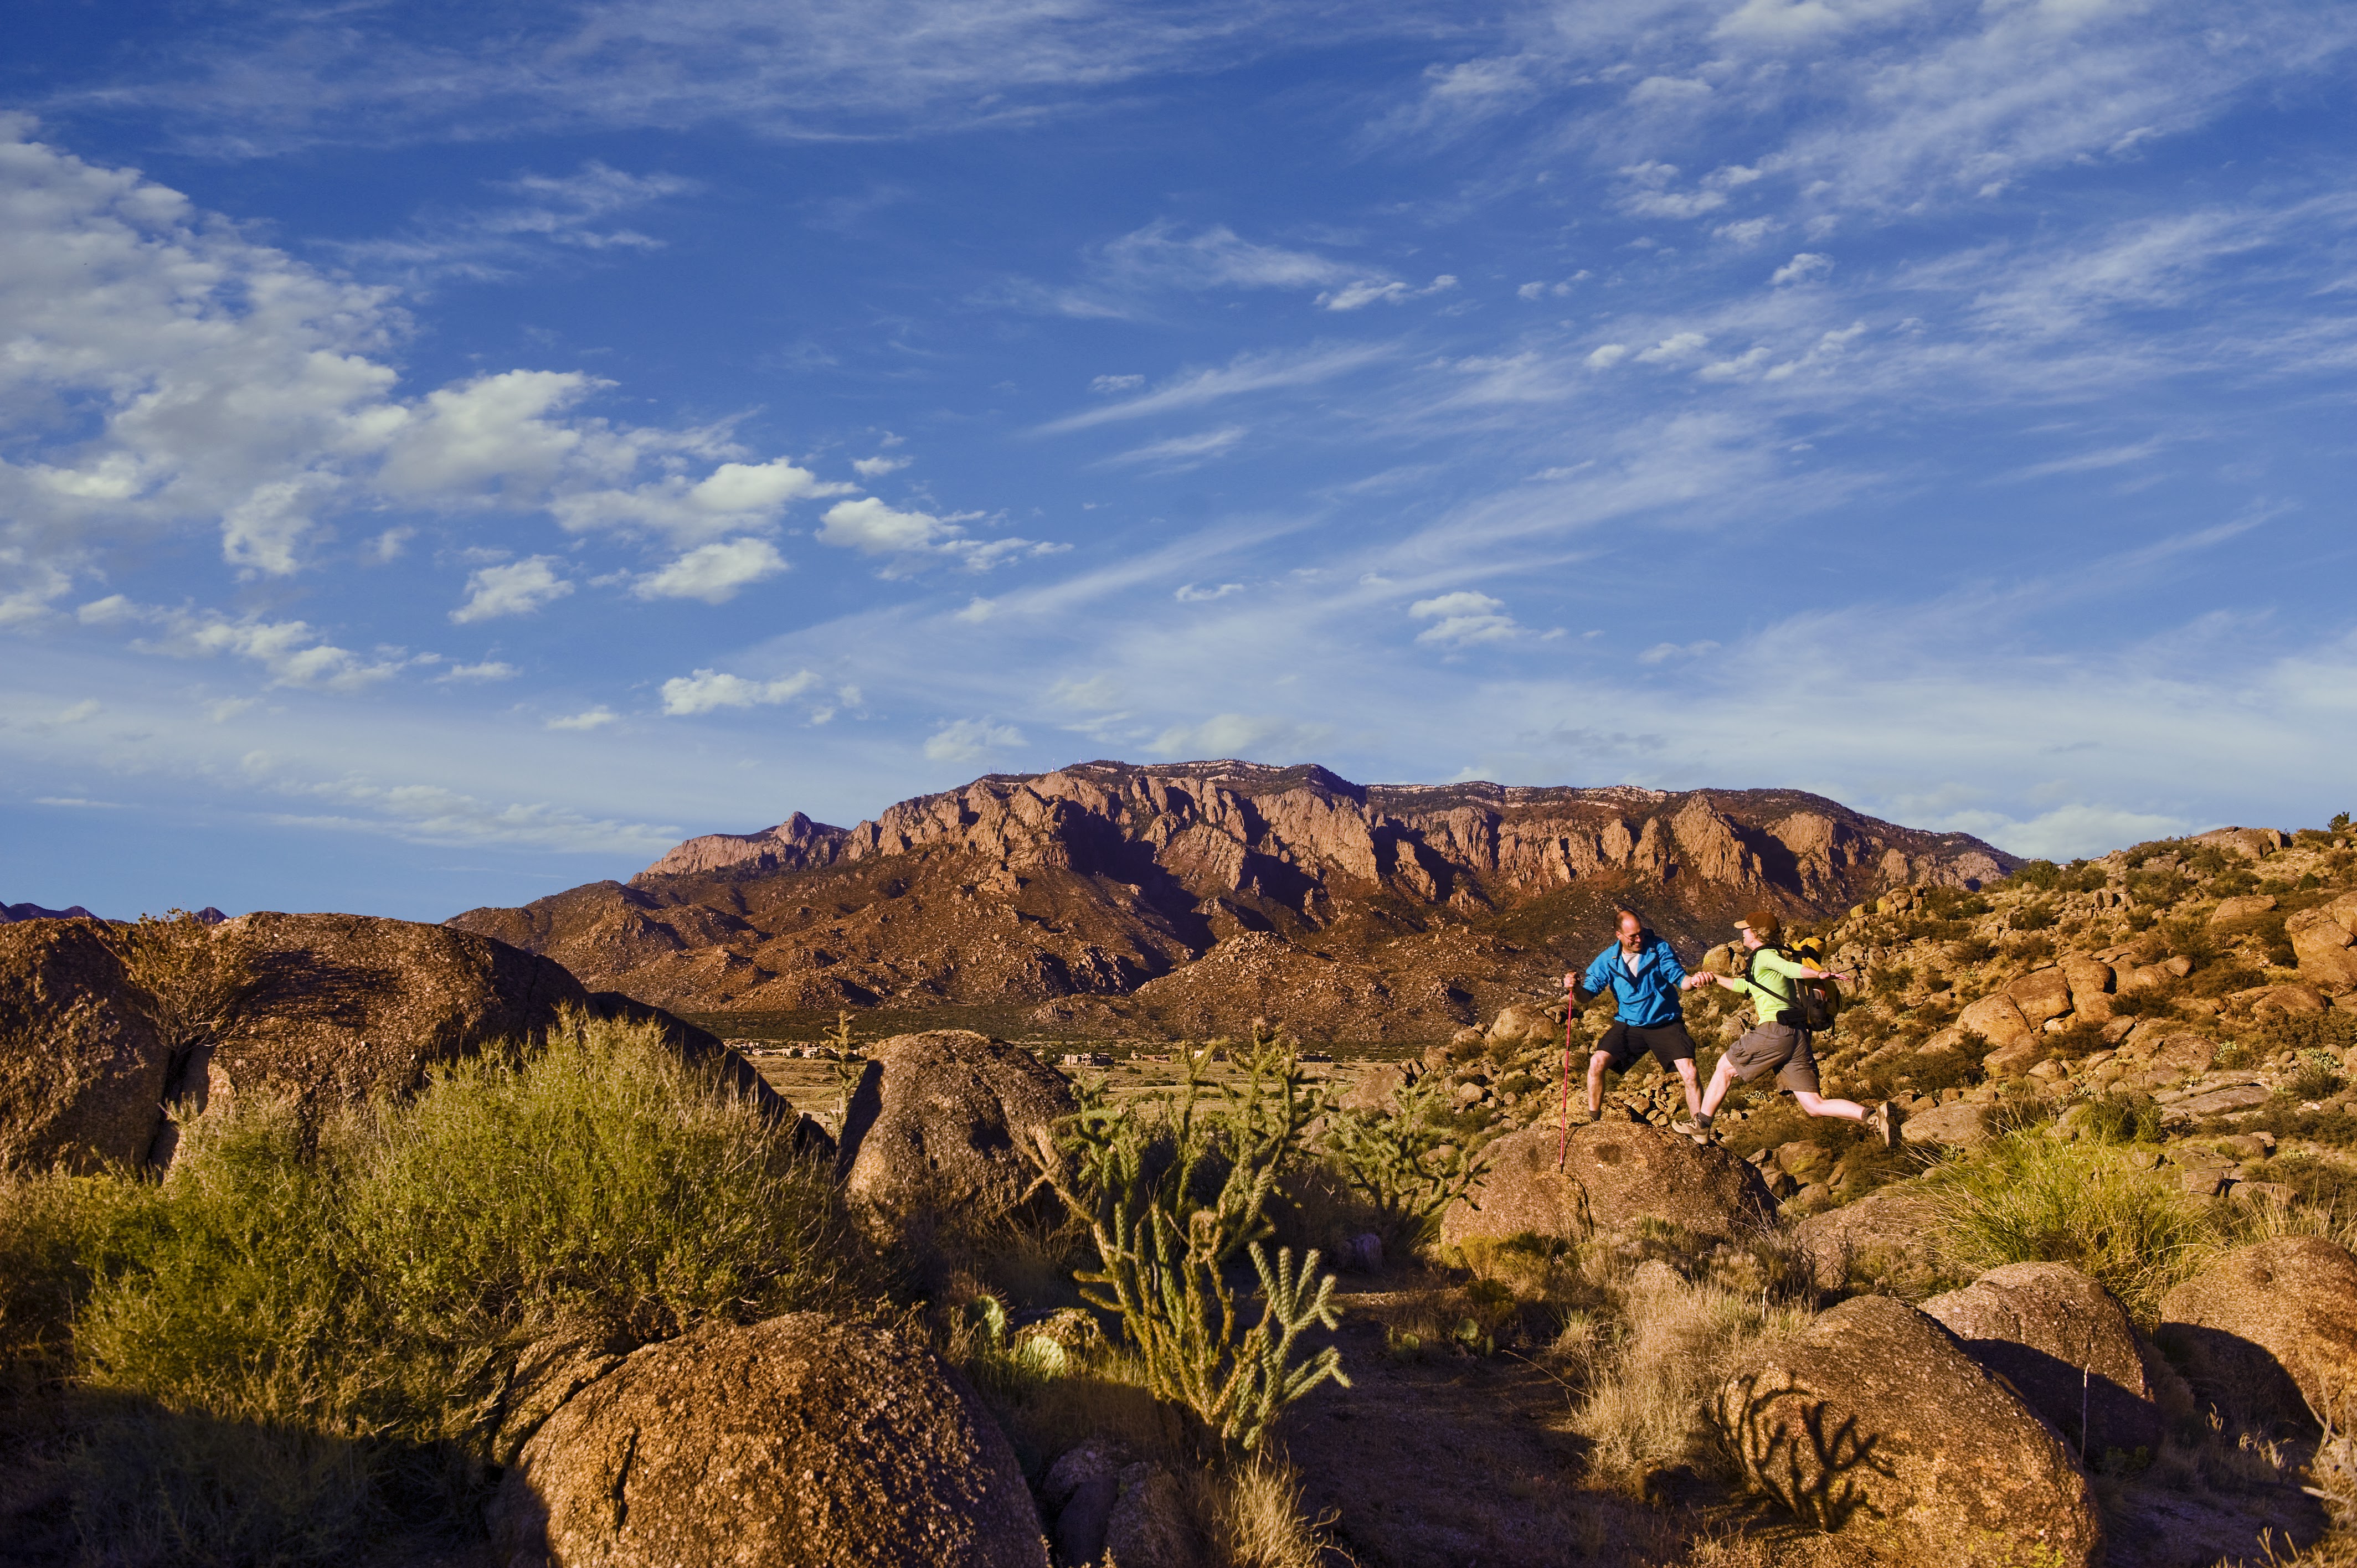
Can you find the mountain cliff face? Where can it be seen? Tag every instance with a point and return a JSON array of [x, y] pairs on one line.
[[1187, 898]]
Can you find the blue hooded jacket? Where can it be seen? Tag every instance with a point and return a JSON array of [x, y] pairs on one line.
[[1650, 996]]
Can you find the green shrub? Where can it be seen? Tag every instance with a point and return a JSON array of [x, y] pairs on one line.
[[2121, 1119], [2033, 917], [298, 1334], [2028, 1198], [1970, 949], [1406, 1162], [2317, 1075]]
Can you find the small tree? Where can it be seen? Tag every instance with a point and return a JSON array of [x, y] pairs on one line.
[[1170, 1203], [847, 1067]]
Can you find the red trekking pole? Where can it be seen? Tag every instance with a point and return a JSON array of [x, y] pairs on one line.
[[1563, 1143]]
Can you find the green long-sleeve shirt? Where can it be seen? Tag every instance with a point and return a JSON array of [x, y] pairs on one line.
[[1771, 993]]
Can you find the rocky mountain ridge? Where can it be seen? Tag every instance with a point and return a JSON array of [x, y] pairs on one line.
[[1107, 897]]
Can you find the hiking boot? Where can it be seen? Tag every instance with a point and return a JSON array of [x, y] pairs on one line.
[[1886, 1122], [1694, 1127]]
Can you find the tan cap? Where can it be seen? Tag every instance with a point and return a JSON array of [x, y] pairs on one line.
[[1763, 923]]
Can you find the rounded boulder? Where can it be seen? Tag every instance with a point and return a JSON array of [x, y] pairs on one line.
[[1874, 1422], [1884, 1236], [2271, 1327], [797, 1443], [1612, 1174], [83, 1073], [942, 1123], [2066, 1344]]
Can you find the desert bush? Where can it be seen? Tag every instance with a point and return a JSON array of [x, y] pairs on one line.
[[2334, 1032], [2032, 917], [1171, 1202], [2317, 1075], [2027, 1197], [294, 1334], [1970, 949], [2221, 978]]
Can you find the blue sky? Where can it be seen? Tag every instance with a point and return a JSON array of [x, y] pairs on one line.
[[449, 454]]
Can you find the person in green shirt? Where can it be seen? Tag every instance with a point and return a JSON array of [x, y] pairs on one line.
[[1773, 1044]]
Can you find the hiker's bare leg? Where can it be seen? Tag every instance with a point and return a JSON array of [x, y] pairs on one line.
[[1720, 1076], [1686, 1079], [1818, 1105], [1595, 1064]]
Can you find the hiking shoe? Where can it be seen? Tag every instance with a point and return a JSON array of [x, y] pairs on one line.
[[1696, 1128], [1886, 1122]]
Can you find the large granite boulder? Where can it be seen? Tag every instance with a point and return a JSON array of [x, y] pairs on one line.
[[1885, 1237], [797, 1443], [2324, 940], [945, 1125], [317, 1010], [2270, 1329], [2067, 1346], [82, 1068], [1613, 1174], [1873, 1423]]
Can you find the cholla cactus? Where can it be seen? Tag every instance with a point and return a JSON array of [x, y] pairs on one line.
[[1163, 1247], [1404, 1161]]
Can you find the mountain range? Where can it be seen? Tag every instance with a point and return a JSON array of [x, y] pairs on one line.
[[1186, 899]]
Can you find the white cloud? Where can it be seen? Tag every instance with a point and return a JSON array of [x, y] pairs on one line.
[[88, 708], [1180, 452], [1662, 653], [1608, 356], [517, 588], [713, 573], [594, 718], [1678, 346], [876, 467], [874, 527], [1462, 618], [734, 497], [1189, 594], [1806, 267], [1098, 693], [564, 211], [292, 651], [1106, 386], [1243, 374], [971, 740], [489, 670], [1258, 737], [1158, 256], [1366, 292], [2065, 833], [1749, 231], [707, 690]]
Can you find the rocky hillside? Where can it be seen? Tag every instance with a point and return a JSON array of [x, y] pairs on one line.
[[1187, 898]]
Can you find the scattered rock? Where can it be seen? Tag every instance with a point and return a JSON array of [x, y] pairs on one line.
[[1884, 1236], [2243, 908], [1150, 1527], [1515, 1026], [1958, 1125], [2067, 1346], [2273, 1324], [1614, 1174], [2040, 994], [1376, 1083], [2288, 997], [2091, 987], [1874, 1422], [941, 1125], [1081, 1488], [2324, 940], [2224, 1101], [798, 1443], [1997, 1020]]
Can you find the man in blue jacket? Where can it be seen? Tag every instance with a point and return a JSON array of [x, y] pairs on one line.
[[1645, 977]]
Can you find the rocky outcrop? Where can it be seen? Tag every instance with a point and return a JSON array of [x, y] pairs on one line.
[[2271, 1328], [2067, 1346], [797, 1443], [82, 1069], [1873, 1423], [943, 1125], [1100, 880], [1613, 1174]]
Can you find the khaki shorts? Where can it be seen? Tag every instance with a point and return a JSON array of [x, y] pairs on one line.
[[1780, 1047]]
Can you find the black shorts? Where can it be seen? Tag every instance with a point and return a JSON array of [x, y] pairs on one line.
[[1669, 1042]]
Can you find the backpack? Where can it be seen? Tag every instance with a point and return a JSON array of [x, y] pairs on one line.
[[1813, 1006]]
